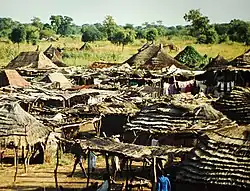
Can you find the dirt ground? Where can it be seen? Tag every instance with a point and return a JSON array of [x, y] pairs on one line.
[[41, 176]]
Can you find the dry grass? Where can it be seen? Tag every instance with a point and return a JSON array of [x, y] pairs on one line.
[[105, 51]]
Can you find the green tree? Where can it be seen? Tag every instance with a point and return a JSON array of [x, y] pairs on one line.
[[151, 34], [36, 22], [47, 33], [65, 29], [239, 30], [200, 26], [199, 23], [56, 21], [90, 33], [32, 34], [123, 37], [110, 26], [18, 35], [6, 26], [212, 36]]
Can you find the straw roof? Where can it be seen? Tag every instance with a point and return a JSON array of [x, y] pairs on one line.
[[55, 56], [221, 157], [59, 78], [236, 105], [167, 117], [28, 60], [152, 57], [129, 150], [19, 126], [115, 105], [242, 60], [219, 62], [12, 78]]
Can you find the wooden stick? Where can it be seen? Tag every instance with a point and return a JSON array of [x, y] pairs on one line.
[[127, 174], [16, 163], [154, 175], [88, 168], [107, 167], [57, 163]]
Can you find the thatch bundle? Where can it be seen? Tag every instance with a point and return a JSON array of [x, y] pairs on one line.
[[177, 117], [236, 105], [219, 159], [129, 150]]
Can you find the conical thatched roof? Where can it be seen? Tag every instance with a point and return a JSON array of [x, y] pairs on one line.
[[191, 58], [12, 78], [217, 63], [34, 60], [221, 157], [19, 126], [236, 105], [242, 60], [55, 56], [152, 57]]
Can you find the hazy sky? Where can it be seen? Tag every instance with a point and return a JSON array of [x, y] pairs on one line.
[[171, 12]]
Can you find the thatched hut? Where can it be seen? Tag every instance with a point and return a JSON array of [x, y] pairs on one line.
[[54, 54], [31, 60], [18, 127], [220, 161], [217, 63], [12, 78], [114, 112], [152, 57], [172, 123]]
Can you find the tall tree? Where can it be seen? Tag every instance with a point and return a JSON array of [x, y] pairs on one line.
[[123, 37], [239, 30], [90, 33], [6, 26], [110, 26], [32, 34], [18, 35], [35, 21], [200, 27]]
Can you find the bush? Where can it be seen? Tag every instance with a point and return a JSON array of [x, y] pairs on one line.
[[202, 39], [212, 36], [224, 38]]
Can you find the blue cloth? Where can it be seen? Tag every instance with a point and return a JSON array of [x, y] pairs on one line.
[[163, 184]]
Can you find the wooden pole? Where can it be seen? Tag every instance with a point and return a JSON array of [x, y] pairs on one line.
[[127, 174], [88, 169], [16, 162], [107, 167], [57, 163], [154, 175]]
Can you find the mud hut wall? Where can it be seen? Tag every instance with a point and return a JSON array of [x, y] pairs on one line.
[[113, 124]]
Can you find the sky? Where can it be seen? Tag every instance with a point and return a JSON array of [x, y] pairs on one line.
[[136, 12]]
